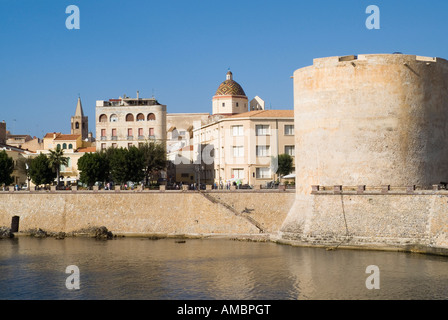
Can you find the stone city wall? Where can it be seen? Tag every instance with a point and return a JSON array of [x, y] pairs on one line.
[[374, 218], [149, 212], [369, 218]]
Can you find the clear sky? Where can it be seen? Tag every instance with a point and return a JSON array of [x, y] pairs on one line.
[[179, 51]]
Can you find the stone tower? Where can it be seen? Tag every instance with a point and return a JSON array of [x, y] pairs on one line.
[[3, 132], [79, 122], [369, 121], [375, 119]]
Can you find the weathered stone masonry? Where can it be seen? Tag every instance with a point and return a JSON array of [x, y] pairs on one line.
[[373, 219], [168, 212]]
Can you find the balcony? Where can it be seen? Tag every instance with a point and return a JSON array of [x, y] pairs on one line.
[[103, 138], [141, 137], [130, 137], [114, 138]]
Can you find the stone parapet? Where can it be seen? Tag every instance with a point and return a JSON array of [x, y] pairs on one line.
[[379, 190]]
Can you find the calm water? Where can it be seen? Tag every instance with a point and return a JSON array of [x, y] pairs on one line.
[[137, 268]]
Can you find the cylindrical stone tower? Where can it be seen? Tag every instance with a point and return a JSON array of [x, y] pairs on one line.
[[377, 119]]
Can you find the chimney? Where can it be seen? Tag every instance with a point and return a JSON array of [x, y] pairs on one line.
[[137, 94]]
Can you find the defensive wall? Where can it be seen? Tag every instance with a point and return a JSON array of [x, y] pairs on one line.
[[408, 219], [141, 212], [385, 217]]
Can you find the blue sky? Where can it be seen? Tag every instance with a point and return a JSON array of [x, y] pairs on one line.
[[179, 51]]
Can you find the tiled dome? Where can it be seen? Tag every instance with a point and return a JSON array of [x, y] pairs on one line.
[[230, 87]]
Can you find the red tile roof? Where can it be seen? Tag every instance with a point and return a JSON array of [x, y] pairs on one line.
[[265, 114], [87, 149]]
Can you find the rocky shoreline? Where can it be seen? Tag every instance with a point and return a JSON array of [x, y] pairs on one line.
[[100, 233]]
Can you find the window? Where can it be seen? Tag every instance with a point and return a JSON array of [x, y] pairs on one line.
[[70, 146], [237, 131], [262, 130], [129, 117], [64, 146], [113, 118], [103, 133], [289, 130], [238, 151], [129, 145], [151, 131], [76, 125], [223, 104], [184, 175], [290, 150], [103, 118], [238, 173], [140, 132], [263, 173], [140, 117], [114, 134], [151, 117], [58, 146], [103, 146], [130, 132], [237, 104], [114, 145], [262, 151]]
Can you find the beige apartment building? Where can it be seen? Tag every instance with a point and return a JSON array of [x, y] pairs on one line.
[[126, 122], [241, 139], [242, 146]]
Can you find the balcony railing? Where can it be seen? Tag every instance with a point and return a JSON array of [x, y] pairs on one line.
[[114, 138], [130, 137], [103, 138]]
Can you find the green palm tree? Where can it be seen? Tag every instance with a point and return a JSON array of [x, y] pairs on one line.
[[56, 159]]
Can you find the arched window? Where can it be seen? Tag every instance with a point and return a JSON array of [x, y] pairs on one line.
[[70, 146], [58, 146], [64, 146], [129, 117], [113, 118], [140, 117], [151, 117], [103, 118], [76, 125]]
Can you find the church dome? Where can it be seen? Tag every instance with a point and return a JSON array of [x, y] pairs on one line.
[[230, 87]]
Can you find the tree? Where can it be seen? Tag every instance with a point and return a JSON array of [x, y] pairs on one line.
[[6, 168], [56, 159], [94, 167], [154, 155], [285, 164], [134, 164], [40, 171], [117, 162]]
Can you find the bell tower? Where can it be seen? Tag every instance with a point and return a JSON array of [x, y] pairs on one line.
[[79, 122]]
